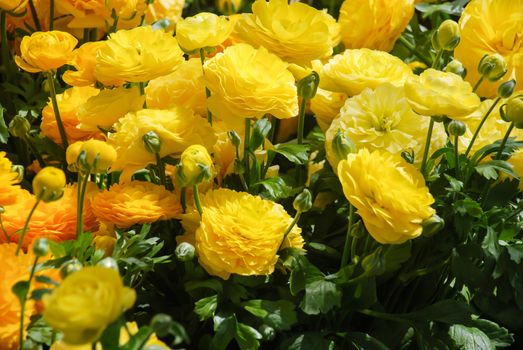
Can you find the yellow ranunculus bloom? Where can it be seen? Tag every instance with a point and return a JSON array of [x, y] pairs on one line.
[[177, 128], [12, 5], [83, 13], [137, 202], [434, 92], [326, 106], [104, 109], [382, 119], [488, 27], [86, 302], [296, 33], [241, 233], [247, 82], [137, 55], [202, 30], [168, 9], [49, 184], [9, 180], [183, 87], [95, 150], [389, 194], [84, 60], [45, 51], [374, 24], [355, 70]]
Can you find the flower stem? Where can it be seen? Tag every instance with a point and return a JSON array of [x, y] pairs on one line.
[[35, 151], [301, 120], [51, 14], [183, 199], [246, 142], [161, 169], [26, 224], [413, 49], [346, 248], [504, 141], [35, 15], [435, 63], [197, 199], [476, 133], [23, 301], [480, 80], [141, 85], [83, 179], [5, 44], [59, 123], [427, 146], [456, 155], [207, 91], [289, 229]]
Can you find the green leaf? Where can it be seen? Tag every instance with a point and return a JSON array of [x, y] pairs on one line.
[[455, 184], [37, 294], [206, 307], [386, 258], [111, 335], [489, 169], [211, 284], [225, 331], [179, 333], [260, 130], [445, 311], [40, 332], [247, 337], [46, 280], [307, 341], [499, 336], [468, 206], [515, 252], [321, 296], [20, 289], [363, 341], [279, 314], [275, 188], [490, 243], [324, 250], [4, 131], [470, 338], [297, 154], [137, 340]]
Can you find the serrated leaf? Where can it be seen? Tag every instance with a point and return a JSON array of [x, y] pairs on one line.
[[321, 296], [445, 311], [470, 338], [225, 331], [307, 341], [489, 169], [297, 154], [206, 307], [515, 252], [499, 336], [279, 314], [247, 337], [276, 188]]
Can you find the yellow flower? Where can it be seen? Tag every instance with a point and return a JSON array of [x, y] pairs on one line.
[[516, 160], [104, 109], [389, 194], [355, 70], [69, 103], [137, 55], [12, 5], [86, 302], [374, 24], [228, 7], [488, 27], [326, 106], [133, 203], [296, 33], [241, 234], [84, 60], [83, 13], [45, 51], [177, 129], [168, 9], [8, 181], [247, 82], [434, 92], [14, 269], [183, 87], [195, 166], [382, 119], [99, 156], [202, 30], [224, 152], [49, 184]]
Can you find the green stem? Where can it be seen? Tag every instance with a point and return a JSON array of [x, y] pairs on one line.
[[183, 199], [51, 14], [26, 224], [456, 155], [59, 123], [476, 133], [435, 63], [23, 301], [8, 238], [141, 85], [413, 49], [301, 120], [35, 151], [246, 142], [161, 169], [5, 45], [82, 186], [244, 184], [427, 146], [35, 16], [207, 91], [504, 141], [144, 340], [480, 80], [289, 229], [197, 199], [346, 247]]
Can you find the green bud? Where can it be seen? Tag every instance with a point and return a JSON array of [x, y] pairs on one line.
[[342, 146], [308, 86], [152, 142], [506, 89], [457, 68], [2, 209], [432, 225], [109, 263], [235, 138], [514, 111], [19, 126], [161, 324], [447, 35], [457, 128], [184, 252], [492, 67], [70, 267], [268, 333], [20, 170], [303, 202], [41, 247]]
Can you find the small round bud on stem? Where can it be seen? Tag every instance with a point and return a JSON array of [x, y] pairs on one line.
[[457, 128], [184, 252], [152, 142], [19, 126], [41, 247], [161, 324], [308, 86], [514, 111], [342, 146], [303, 201], [492, 67], [447, 36], [432, 225], [456, 67], [70, 267], [506, 89], [49, 183]]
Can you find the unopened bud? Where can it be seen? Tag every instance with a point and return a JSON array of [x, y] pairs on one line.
[[184, 252], [229, 7], [492, 67], [161, 324], [235, 138], [109, 263], [19, 126], [456, 67], [152, 142], [432, 225], [41, 247], [457, 128], [447, 36], [70, 267], [308, 86], [49, 184], [303, 201], [514, 111], [342, 146], [268, 333], [506, 89]]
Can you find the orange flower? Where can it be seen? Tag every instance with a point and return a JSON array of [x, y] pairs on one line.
[[133, 203]]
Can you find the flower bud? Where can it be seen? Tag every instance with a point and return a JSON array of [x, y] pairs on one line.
[[49, 184], [92, 156], [342, 146], [492, 67], [41, 247], [228, 7], [19, 126], [235, 138], [20, 170], [456, 67], [152, 142], [506, 89], [268, 333], [447, 36], [72, 153], [2, 209], [303, 201], [308, 86], [70, 267], [105, 243], [432, 225], [161, 324], [184, 252], [514, 111], [109, 263], [456, 128], [195, 166]]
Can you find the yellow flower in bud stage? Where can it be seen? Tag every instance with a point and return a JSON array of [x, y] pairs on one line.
[[241, 234], [184, 88], [247, 82], [69, 105], [389, 194], [228, 7], [177, 128], [169, 9], [86, 302], [382, 119], [49, 184], [84, 60], [202, 30], [195, 166], [224, 152], [133, 203], [45, 51], [488, 27], [99, 156], [435, 92], [326, 106], [137, 55], [295, 32], [374, 24], [104, 109], [355, 70]]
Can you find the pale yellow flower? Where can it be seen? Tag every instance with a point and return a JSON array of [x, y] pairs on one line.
[[355, 70], [202, 30], [296, 33], [488, 27], [389, 194]]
